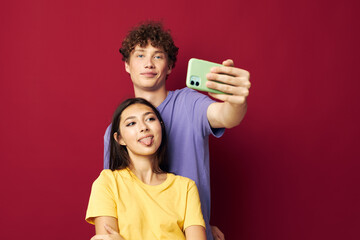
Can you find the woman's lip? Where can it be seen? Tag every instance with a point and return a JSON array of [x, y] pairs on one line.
[[146, 136]]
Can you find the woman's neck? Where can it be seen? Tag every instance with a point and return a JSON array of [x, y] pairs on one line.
[[143, 170]]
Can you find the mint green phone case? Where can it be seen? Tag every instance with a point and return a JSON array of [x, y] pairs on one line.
[[196, 75]]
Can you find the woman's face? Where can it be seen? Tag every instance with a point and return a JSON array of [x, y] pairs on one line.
[[140, 130]]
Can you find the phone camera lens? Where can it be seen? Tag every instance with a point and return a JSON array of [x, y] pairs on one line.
[[197, 84], [192, 82]]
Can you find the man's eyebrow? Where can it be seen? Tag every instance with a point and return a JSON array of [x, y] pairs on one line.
[[143, 50]]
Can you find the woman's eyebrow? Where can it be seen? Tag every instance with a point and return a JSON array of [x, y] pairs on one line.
[[132, 117], [147, 113]]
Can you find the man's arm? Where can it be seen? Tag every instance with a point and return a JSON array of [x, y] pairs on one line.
[[232, 109]]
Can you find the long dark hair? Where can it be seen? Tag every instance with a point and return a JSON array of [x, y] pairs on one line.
[[119, 156]]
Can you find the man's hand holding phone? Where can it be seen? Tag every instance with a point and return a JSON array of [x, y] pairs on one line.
[[230, 80], [224, 82]]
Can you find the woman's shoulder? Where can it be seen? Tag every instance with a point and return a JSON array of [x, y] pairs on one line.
[[109, 175], [181, 180]]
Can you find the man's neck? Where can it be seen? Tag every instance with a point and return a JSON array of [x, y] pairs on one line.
[[154, 97]]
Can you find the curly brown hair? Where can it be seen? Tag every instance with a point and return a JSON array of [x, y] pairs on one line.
[[153, 32]]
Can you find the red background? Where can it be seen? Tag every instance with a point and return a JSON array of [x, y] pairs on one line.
[[289, 171]]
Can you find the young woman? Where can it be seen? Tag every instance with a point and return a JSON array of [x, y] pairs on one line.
[[135, 198]]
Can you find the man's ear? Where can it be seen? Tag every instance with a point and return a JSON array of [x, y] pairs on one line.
[[127, 67], [119, 139], [169, 70]]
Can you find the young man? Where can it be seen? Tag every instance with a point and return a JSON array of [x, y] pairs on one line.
[[190, 117]]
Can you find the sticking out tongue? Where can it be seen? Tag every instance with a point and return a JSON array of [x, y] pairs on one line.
[[146, 141]]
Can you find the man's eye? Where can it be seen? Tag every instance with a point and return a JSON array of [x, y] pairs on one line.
[[140, 56], [158, 57]]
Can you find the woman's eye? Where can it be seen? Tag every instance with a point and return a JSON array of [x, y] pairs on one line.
[[151, 119], [130, 124]]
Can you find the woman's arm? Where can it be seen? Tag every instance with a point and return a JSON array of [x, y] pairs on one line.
[[106, 228], [101, 221], [195, 232]]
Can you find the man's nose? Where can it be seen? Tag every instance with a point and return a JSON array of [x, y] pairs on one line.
[[149, 63]]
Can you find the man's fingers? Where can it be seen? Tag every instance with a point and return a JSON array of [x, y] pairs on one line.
[[218, 235], [237, 91], [221, 236], [229, 98], [228, 62], [234, 81], [231, 71]]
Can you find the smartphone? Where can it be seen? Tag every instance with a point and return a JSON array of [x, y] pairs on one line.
[[196, 75]]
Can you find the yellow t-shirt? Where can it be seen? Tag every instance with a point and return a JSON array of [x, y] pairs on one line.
[[144, 211]]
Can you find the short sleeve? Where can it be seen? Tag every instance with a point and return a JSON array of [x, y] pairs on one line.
[[102, 202], [193, 214], [197, 106]]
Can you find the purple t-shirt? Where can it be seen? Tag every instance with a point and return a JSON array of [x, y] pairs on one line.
[[184, 113]]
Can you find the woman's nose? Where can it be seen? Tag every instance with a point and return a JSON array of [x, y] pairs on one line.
[[143, 127]]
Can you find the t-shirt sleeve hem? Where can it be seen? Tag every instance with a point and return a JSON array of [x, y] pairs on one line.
[[201, 223], [90, 218], [217, 132]]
